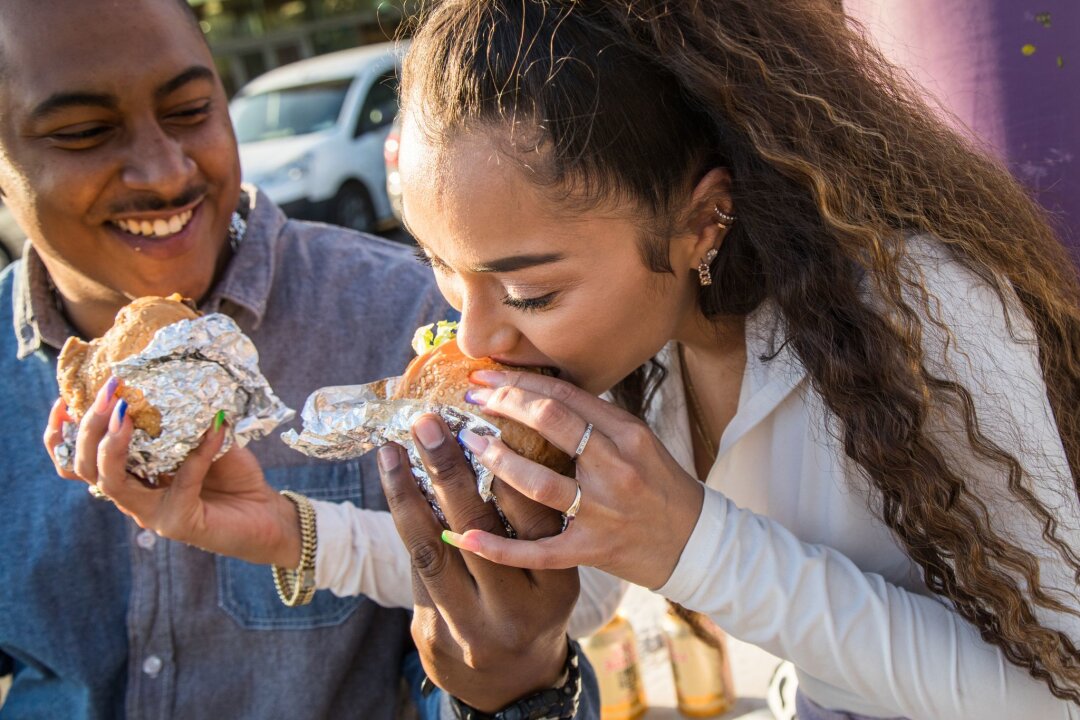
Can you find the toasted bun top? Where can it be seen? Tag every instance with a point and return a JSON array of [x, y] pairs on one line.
[[442, 376], [83, 368]]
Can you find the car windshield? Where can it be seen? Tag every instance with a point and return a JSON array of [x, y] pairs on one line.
[[289, 111]]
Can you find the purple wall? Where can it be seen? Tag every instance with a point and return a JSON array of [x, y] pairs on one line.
[[1010, 71]]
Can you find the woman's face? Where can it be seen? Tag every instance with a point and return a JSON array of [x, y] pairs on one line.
[[537, 284]]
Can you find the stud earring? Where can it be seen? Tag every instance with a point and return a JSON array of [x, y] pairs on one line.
[[703, 271], [723, 219]]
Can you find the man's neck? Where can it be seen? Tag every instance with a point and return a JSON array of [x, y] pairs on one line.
[[90, 308]]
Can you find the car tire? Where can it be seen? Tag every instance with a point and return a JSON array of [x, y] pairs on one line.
[[353, 208]]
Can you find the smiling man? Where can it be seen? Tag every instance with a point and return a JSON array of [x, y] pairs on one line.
[[117, 158]]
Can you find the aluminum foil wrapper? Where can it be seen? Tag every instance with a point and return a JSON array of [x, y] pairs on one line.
[[347, 421], [191, 370]]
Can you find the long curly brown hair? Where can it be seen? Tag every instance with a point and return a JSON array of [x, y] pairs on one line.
[[836, 158]]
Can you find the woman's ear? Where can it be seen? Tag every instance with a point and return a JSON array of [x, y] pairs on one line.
[[709, 208]]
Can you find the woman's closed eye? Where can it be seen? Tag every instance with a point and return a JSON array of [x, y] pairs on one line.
[[426, 259], [530, 304]]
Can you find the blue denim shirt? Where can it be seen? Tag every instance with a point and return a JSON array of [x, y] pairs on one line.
[[99, 619]]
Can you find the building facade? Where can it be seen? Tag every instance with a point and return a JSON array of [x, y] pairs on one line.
[[249, 37]]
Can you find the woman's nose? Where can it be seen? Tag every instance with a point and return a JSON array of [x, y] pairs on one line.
[[483, 333]]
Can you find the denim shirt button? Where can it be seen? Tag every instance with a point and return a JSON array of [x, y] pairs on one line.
[[146, 539], [152, 665]]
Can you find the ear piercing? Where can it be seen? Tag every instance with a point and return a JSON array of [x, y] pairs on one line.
[[723, 219], [704, 273]]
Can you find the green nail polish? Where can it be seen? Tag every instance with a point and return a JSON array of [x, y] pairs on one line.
[[219, 420], [448, 538]]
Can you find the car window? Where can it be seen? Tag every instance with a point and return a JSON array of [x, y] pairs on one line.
[[381, 104], [287, 112]]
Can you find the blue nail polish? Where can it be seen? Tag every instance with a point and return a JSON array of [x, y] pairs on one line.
[[116, 422], [475, 443], [477, 396]]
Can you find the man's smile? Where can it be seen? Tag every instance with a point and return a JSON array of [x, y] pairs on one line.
[[157, 227]]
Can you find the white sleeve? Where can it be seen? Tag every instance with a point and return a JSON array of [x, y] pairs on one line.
[[600, 597], [807, 603], [900, 651], [360, 553]]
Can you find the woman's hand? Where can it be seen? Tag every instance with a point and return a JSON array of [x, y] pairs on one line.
[[225, 507], [487, 634], [638, 506]]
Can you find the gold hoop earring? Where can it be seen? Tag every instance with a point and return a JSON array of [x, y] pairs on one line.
[[703, 271], [723, 219]]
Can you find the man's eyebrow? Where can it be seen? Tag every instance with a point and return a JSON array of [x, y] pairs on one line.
[[63, 100], [193, 73]]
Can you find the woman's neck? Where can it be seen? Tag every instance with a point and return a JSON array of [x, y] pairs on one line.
[[713, 357]]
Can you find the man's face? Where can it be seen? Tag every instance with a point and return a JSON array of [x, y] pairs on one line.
[[117, 156]]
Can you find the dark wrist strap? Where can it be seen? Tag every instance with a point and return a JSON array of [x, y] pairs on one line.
[[557, 703]]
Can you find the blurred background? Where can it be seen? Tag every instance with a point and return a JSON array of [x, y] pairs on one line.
[[318, 137]]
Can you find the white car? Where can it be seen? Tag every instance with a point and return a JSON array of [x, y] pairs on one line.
[[311, 135]]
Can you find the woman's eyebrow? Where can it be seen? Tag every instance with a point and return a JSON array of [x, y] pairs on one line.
[[517, 262]]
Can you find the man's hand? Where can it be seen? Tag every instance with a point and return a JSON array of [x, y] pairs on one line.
[[487, 634]]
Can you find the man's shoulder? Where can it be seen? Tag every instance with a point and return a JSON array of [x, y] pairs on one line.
[[338, 255], [7, 306], [7, 274]]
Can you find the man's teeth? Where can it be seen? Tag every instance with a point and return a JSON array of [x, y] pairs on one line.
[[156, 228]]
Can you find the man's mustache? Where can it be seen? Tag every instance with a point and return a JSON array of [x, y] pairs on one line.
[[151, 203]]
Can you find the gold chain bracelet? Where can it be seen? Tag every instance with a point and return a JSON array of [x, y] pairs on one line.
[[296, 587]]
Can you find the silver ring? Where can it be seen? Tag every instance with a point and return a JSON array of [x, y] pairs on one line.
[[581, 446], [572, 511]]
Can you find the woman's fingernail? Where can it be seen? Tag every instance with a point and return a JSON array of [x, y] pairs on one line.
[[477, 396], [388, 458], [117, 420], [429, 432], [105, 396], [451, 538], [475, 443], [491, 378], [219, 420]]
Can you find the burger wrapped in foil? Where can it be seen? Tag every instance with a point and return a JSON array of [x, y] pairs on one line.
[[347, 421], [189, 371]]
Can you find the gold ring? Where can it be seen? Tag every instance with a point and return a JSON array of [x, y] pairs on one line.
[[572, 511]]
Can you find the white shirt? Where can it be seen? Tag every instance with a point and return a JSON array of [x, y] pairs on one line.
[[786, 554]]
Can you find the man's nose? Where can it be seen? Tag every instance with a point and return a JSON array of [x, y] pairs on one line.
[[158, 163]]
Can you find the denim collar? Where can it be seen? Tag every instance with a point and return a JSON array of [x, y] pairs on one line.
[[244, 285]]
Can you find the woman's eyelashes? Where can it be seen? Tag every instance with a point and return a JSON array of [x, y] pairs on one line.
[[422, 257], [530, 304], [431, 262]]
